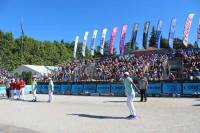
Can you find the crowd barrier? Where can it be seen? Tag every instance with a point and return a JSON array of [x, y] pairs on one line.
[[2, 90], [28, 89], [118, 88], [188, 88]]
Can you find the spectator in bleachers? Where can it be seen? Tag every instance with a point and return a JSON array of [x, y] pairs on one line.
[[171, 76]]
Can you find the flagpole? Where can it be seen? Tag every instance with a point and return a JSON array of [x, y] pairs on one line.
[[22, 38]]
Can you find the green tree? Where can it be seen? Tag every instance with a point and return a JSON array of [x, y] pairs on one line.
[[196, 44], [164, 43], [152, 38], [178, 43], [106, 49], [127, 48]]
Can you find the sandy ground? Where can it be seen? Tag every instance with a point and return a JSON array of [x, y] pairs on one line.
[[88, 114]]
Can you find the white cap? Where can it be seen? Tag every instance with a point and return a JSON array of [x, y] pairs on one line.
[[49, 78], [126, 73]]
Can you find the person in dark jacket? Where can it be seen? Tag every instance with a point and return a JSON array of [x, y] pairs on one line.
[[7, 84], [143, 86]]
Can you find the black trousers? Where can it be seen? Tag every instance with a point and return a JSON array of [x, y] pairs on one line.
[[143, 95], [8, 93]]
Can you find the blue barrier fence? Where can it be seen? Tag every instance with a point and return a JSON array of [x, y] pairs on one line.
[[118, 88], [2, 90], [103, 88], [191, 88], [154, 88], [28, 89]]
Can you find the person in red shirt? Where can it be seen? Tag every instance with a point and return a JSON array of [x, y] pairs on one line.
[[12, 88], [22, 88], [17, 86]]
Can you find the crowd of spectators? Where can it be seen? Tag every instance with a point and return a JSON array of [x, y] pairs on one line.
[[3, 74], [191, 65], [155, 66]]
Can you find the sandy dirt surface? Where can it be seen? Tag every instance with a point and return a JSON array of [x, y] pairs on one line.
[[88, 114]]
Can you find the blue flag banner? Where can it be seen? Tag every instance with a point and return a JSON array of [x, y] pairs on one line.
[[158, 33], [145, 34], [134, 36]]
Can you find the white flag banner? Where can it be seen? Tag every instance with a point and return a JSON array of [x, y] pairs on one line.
[[84, 43], [76, 45], [171, 32], [187, 28], [93, 42], [103, 38]]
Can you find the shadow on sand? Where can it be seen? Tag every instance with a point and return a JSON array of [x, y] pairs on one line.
[[3, 98], [98, 116], [32, 101], [11, 99], [196, 105], [117, 101]]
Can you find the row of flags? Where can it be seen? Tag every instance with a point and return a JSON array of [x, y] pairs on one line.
[[134, 36], [198, 32]]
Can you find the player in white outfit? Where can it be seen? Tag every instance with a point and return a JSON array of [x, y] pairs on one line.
[[51, 89], [34, 89], [130, 93]]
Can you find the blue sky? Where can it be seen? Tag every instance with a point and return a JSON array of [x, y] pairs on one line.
[[64, 19]]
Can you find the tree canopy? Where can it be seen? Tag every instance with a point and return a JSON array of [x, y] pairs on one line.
[[26, 50], [14, 52]]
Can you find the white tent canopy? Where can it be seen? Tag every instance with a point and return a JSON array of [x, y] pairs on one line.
[[35, 69]]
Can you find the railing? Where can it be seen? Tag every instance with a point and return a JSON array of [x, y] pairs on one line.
[[117, 89], [154, 88], [3, 89]]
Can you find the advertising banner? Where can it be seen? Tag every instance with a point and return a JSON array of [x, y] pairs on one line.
[[112, 40], [171, 32], [187, 28], [122, 38]]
